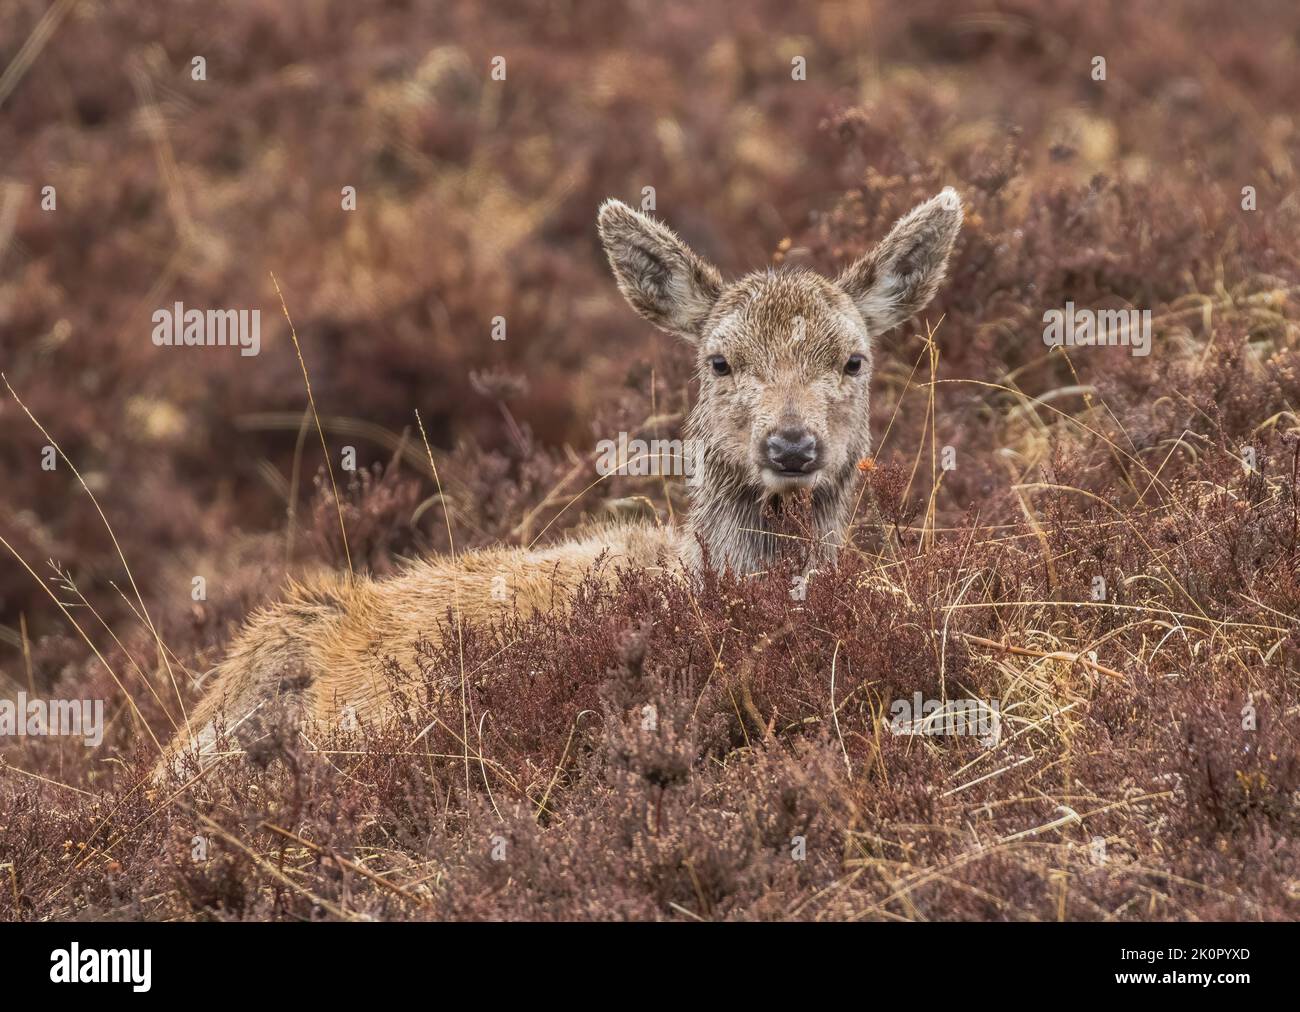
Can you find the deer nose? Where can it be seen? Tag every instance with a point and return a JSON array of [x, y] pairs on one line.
[[792, 450]]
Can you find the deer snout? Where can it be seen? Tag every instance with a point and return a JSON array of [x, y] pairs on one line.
[[792, 451]]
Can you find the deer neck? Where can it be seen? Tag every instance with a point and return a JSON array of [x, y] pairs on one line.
[[731, 518]]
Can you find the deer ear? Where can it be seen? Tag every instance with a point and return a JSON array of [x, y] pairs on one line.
[[658, 274], [898, 278]]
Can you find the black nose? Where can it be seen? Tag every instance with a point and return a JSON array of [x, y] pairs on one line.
[[792, 450]]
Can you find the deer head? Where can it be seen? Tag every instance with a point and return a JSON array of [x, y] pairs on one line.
[[784, 362]]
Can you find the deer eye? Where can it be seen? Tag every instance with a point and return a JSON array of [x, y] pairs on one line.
[[853, 366], [719, 365]]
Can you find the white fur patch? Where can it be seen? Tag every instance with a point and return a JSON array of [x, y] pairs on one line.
[[852, 323], [881, 303]]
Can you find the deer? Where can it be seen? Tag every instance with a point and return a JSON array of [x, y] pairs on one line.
[[784, 361]]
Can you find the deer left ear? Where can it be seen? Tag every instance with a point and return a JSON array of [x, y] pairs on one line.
[[658, 274], [898, 278]]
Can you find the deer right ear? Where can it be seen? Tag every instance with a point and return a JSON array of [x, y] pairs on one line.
[[899, 277], [658, 274]]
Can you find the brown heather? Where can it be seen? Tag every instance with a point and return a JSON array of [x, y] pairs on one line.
[[767, 716]]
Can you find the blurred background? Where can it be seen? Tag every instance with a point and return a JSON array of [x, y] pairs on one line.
[[476, 198]]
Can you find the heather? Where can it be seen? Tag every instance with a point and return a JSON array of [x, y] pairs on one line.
[[667, 751]]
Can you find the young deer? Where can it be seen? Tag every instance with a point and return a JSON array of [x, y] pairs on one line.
[[784, 363]]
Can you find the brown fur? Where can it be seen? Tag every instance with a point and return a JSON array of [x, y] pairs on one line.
[[316, 657]]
